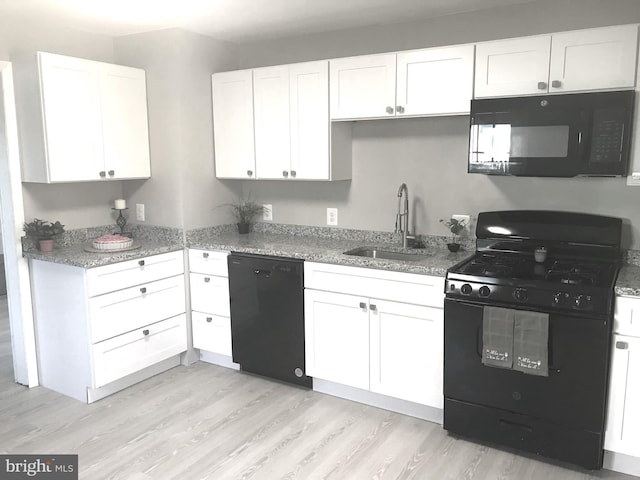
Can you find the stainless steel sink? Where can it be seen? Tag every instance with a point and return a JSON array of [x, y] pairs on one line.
[[373, 252]]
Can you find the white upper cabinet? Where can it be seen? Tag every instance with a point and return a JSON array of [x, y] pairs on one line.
[[363, 87], [435, 81], [94, 122], [271, 121], [602, 58], [233, 124]]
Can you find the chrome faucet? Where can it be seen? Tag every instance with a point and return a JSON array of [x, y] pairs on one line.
[[403, 227]]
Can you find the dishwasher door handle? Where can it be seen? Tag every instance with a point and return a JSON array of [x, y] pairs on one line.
[[259, 271]]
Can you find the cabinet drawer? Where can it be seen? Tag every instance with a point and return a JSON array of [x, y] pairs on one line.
[[210, 262], [210, 294], [627, 316], [397, 286], [125, 354], [134, 272], [125, 310], [211, 332]]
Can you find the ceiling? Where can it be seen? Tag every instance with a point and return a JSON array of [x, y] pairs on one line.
[[239, 21]]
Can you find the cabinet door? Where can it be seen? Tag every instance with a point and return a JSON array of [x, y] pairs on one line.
[[233, 124], [125, 126], [211, 333], [623, 416], [271, 117], [72, 118], [594, 59], [210, 294], [435, 81], [518, 66], [309, 103], [337, 338], [363, 87], [406, 351]]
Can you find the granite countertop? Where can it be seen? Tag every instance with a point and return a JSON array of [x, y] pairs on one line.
[[75, 255], [436, 260], [628, 282]]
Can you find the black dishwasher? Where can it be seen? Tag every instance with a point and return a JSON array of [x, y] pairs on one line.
[[267, 316]]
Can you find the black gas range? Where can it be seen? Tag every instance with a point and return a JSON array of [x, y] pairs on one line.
[[528, 323]]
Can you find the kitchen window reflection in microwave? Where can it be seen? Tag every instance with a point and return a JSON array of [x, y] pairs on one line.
[[500, 142]]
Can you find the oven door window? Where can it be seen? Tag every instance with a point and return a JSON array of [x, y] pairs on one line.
[[531, 146]]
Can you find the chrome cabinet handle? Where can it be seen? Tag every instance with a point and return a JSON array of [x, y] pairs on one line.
[[145, 332], [112, 173], [556, 83], [249, 173], [400, 109], [103, 173], [285, 174], [143, 290], [373, 308], [207, 279], [542, 85], [389, 110], [209, 319], [205, 254], [293, 173], [141, 263], [622, 345]]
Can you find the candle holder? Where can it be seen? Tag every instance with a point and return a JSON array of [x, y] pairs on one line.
[[121, 221]]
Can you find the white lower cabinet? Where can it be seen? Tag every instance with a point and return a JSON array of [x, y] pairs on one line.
[[103, 329], [387, 346], [210, 316], [623, 414]]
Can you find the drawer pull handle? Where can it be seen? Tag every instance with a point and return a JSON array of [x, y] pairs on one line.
[[209, 319], [363, 306], [145, 332], [622, 345], [205, 255], [207, 279], [373, 307], [141, 263], [143, 290]]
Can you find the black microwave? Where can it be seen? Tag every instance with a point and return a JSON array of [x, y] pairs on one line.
[[565, 135]]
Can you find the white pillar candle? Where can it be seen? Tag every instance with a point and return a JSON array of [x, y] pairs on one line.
[[121, 204]]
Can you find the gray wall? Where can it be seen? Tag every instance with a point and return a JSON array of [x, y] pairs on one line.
[[430, 154], [183, 190], [75, 205]]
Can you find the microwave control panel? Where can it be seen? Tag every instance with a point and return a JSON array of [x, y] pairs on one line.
[[607, 135]]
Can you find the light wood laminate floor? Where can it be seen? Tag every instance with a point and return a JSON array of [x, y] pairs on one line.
[[208, 422]]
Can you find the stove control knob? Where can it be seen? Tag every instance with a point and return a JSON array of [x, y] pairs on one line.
[[484, 291], [560, 298], [466, 289], [520, 294], [582, 301]]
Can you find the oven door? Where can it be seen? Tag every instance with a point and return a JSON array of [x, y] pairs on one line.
[[574, 393], [529, 136]]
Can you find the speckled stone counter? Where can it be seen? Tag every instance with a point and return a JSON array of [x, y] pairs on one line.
[[76, 256], [628, 282], [433, 260]]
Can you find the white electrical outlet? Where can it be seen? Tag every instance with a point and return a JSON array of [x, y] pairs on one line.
[[267, 212], [633, 180], [140, 212], [332, 216], [466, 219]]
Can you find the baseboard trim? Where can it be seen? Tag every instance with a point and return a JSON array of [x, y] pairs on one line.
[[405, 407], [218, 359], [619, 462]]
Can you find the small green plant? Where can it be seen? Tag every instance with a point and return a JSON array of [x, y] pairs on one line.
[[455, 226], [244, 210], [42, 229]]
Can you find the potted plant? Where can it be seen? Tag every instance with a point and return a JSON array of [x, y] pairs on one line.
[[43, 232], [455, 226], [245, 211]]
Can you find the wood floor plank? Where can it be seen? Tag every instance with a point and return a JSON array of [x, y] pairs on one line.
[[209, 422]]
